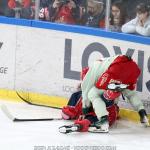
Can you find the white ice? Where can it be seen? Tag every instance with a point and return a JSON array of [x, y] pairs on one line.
[[31, 135]]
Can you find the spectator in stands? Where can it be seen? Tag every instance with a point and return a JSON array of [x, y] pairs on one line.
[[27, 11], [118, 16], [3, 5], [44, 10], [82, 10], [130, 5], [67, 13], [54, 9], [94, 15], [10, 12], [45, 3], [141, 24]]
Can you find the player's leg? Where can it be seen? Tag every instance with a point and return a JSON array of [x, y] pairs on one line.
[[73, 108]]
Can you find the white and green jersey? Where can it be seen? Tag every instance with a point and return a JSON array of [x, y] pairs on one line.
[[94, 72], [91, 94]]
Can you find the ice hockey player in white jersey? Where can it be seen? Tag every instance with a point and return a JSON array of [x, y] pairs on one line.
[[102, 85]]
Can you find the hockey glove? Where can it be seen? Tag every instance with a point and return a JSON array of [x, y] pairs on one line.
[[69, 112], [143, 118], [109, 96], [85, 110], [83, 124]]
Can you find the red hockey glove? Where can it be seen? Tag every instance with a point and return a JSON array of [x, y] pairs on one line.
[[84, 124], [111, 95], [69, 112]]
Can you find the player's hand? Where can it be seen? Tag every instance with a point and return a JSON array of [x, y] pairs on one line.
[[85, 110], [143, 118], [145, 121]]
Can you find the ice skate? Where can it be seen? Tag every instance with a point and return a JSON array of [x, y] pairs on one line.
[[69, 128], [101, 126]]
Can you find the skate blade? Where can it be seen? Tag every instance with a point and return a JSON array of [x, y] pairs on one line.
[[95, 130], [66, 130], [62, 130]]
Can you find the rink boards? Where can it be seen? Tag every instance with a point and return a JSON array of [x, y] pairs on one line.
[[44, 60]]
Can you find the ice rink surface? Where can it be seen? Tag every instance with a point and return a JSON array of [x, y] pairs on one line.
[[45, 135]]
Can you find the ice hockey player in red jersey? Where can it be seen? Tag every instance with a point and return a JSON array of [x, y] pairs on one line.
[[101, 87]]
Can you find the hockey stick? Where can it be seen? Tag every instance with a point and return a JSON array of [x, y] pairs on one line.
[[28, 102], [10, 116]]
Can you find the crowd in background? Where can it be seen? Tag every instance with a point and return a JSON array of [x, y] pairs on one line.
[[128, 16]]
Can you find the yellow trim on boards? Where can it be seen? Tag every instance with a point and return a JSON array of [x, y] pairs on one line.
[[129, 115], [55, 101], [35, 98]]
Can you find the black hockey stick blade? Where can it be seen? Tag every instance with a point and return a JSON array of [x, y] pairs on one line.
[[40, 119], [28, 102], [10, 116]]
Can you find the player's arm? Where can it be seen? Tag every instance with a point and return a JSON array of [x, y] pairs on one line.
[[87, 83], [137, 104]]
